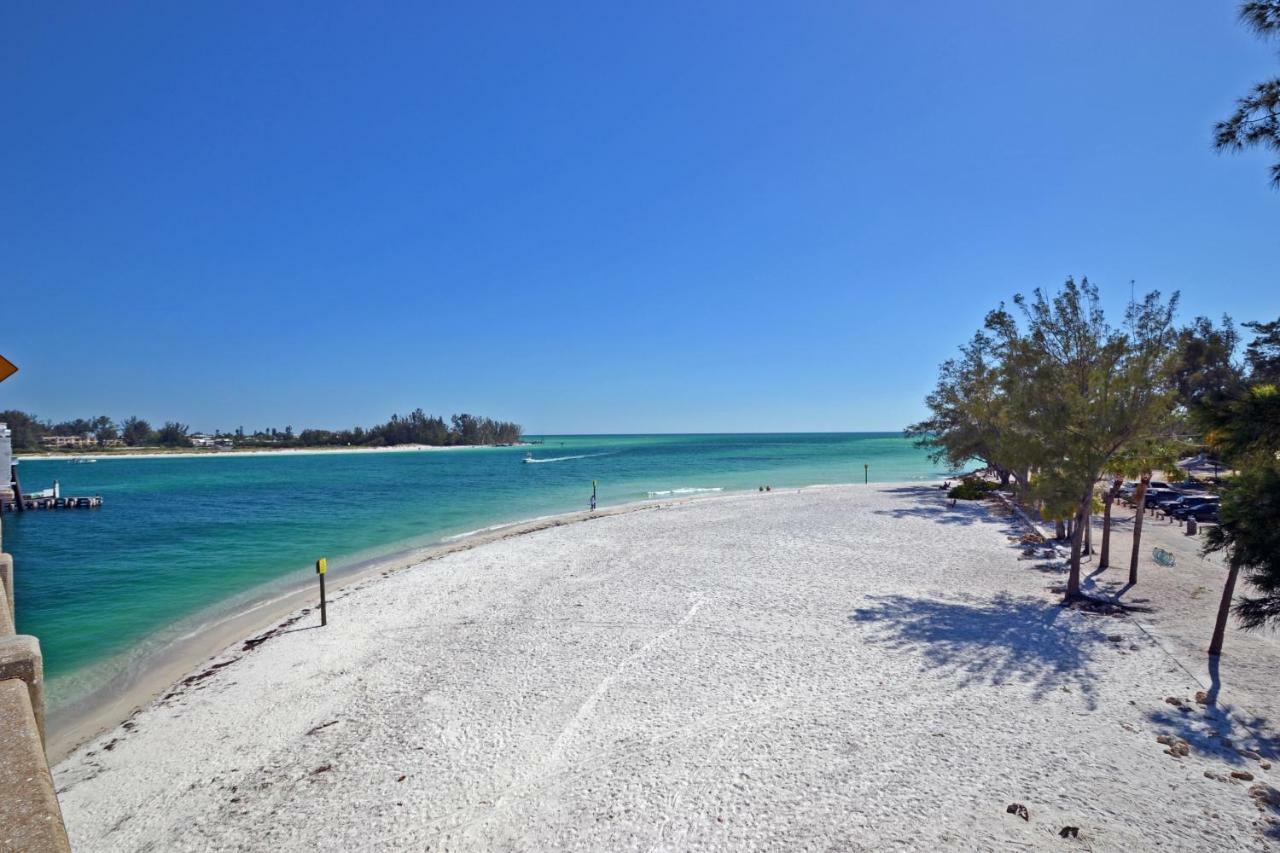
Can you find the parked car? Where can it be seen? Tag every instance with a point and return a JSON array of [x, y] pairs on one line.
[[1206, 513], [1190, 503], [1155, 496], [1129, 491], [1166, 501]]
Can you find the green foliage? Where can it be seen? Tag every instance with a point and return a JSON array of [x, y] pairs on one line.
[[1263, 352], [1242, 423], [135, 432], [1058, 391], [173, 434], [1205, 364], [970, 417], [1249, 534], [26, 429], [1256, 121], [416, 428], [971, 489]]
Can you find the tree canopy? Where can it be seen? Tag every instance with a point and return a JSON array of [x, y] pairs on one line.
[[1256, 120], [1054, 389]]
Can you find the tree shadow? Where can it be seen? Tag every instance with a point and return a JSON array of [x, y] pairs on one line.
[[963, 512], [922, 490], [1216, 729], [1115, 590], [990, 640]]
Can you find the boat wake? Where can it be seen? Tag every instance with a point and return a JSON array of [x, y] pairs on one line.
[[530, 460]]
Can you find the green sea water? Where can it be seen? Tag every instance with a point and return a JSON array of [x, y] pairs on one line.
[[179, 539]]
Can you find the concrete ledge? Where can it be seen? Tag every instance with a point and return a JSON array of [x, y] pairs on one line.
[[30, 819], [6, 580], [7, 628], [20, 659]]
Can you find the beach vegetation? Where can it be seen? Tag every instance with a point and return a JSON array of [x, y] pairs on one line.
[[969, 417], [136, 432], [1082, 390], [1062, 393], [1245, 430], [971, 489], [173, 434], [415, 428], [1256, 120]]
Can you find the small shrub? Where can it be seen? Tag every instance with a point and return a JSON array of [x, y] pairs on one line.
[[971, 489]]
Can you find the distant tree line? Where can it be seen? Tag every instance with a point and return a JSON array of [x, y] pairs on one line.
[[415, 428]]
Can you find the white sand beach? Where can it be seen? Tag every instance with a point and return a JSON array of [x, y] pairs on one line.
[[849, 667]]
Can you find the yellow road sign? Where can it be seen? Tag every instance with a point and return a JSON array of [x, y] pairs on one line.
[[321, 565], [7, 368]]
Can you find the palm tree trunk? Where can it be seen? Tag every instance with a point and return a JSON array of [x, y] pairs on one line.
[[1140, 504], [1224, 610]]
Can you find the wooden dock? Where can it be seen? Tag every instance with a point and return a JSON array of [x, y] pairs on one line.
[[71, 502]]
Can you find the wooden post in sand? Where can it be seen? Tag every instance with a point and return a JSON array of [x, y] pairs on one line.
[[866, 473], [321, 566]]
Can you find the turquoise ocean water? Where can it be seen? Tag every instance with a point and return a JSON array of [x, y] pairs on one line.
[[180, 538]]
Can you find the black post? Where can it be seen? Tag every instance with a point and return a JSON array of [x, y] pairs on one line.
[[322, 566], [866, 473]]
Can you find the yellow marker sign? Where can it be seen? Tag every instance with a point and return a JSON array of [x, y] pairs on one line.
[[321, 565], [7, 368]]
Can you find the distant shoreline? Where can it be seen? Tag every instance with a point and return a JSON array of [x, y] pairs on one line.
[[154, 453]]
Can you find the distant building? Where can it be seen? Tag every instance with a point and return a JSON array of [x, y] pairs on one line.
[[73, 441], [113, 442], [199, 439]]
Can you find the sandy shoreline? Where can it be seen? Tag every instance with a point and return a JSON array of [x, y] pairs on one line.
[[265, 451], [106, 708], [833, 668]]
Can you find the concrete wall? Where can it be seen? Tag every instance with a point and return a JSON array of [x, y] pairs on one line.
[[30, 819]]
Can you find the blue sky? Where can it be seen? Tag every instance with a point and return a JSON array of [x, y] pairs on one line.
[[595, 217]]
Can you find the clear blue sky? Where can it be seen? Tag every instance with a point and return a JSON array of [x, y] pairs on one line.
[[595, 217]]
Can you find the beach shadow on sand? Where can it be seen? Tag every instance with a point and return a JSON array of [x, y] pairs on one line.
[[1217, 729], [932, 504], [995, 640]]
